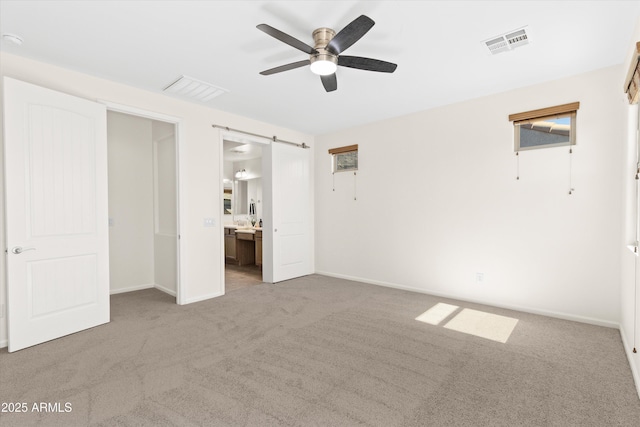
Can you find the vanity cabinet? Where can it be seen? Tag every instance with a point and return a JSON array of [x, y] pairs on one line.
[[245, 248], [258, 237], [242, 247], [230, 246]]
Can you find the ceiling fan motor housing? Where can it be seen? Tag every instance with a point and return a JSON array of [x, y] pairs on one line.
[[321, 38]]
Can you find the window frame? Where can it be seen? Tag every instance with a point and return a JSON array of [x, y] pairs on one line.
[[335, 152], [556, 112]]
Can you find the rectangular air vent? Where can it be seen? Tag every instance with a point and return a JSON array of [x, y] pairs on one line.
[[194, 89], [507, 41]]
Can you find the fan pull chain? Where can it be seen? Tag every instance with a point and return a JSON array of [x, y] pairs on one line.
[[355, 187], [571, 189], [517, 165]]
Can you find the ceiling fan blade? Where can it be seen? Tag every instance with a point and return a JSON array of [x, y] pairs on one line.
[[350, 34], [329, 82], [285, 67], [286, 38], [367, 64]]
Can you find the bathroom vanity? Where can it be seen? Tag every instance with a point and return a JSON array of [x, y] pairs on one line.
[[242, 246]]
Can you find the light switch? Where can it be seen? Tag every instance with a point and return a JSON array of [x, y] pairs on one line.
[[209, 222], [110, 222]]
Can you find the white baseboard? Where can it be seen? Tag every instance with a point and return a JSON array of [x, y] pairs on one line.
[[165, 290], [532, 310], [141, 287], [130, 289], [4, 343], [631, 358], [203, 297]]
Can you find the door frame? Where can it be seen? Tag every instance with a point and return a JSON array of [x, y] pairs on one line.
[[230, 135], [180, 185]]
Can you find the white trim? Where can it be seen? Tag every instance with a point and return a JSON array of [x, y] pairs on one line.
[[204, 297], [532, 310], [121, 108], [130, 289], [630, 358], [230, 135], [181, 185], [141, 287], [181, 216], [223, 284], [165, 290]]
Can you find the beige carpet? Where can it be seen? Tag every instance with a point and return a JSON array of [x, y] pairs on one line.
[[319, 351]]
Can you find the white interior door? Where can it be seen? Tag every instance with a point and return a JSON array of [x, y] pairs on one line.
[[290, 222], [56, 214]]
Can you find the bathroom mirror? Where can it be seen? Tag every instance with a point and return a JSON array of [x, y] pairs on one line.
[[234, 198]]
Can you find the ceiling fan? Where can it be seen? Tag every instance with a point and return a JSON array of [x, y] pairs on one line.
[[326, 55]]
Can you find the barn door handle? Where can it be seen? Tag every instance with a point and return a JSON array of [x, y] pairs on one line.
[[19, 249]]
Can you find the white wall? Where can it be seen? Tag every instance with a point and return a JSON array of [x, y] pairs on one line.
[[254, 191], [629, 297], [438, 201], [131, 239], [228, 172], [200, 163]]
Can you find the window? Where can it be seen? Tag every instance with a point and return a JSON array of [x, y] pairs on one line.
[[547, 127], [344, 158]]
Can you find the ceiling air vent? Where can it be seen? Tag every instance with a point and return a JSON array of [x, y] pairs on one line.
[[194, 89], [507, 41]]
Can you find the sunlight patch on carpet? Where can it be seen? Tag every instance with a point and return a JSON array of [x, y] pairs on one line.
[[437, 313], [484, 325]]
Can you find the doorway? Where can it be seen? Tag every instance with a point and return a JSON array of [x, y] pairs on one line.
[[285, 208], [242, 214], [143, 204]]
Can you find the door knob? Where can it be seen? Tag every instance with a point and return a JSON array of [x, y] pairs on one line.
[[19, 249]]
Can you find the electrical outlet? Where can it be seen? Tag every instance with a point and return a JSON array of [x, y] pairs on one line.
[[111, 222], [479, 278], [209, 222]]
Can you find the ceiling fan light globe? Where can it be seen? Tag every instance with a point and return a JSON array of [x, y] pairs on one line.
[[323, 67]]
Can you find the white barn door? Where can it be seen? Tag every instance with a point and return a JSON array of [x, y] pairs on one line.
[[56, 214], [291, 212]]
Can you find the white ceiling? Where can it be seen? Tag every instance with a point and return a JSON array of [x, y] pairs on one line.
[[238, 151], [436, 44]]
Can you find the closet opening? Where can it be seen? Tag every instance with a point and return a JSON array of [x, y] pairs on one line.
[[143, 204]]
